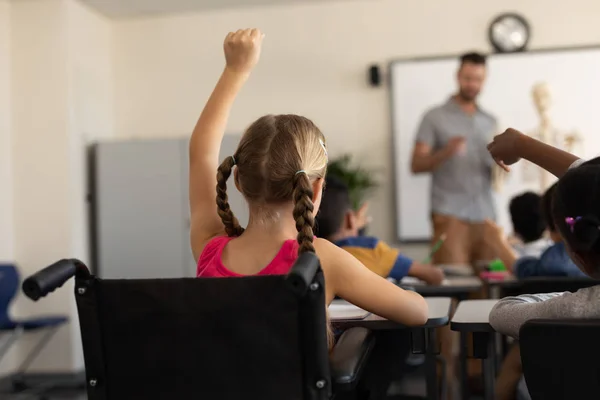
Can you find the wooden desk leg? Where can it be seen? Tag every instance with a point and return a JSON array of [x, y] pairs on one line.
[[464, 373], [431, 365]]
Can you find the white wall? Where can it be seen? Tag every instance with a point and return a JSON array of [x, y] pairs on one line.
[[6, 203], [61, 98], [6, 222], [91, 118], [40, 157], [314, 63]]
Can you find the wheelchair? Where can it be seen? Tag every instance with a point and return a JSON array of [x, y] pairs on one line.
[[255, 337]]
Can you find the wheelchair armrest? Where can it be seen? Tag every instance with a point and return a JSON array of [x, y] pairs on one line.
[[349, 356]]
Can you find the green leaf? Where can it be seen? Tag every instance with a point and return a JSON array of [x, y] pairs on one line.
[[360, 181]]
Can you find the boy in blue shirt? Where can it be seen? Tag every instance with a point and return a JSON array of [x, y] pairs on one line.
[[340, 224], [554, 261]]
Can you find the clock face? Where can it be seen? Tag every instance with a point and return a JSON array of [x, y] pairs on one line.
[[509, 33]]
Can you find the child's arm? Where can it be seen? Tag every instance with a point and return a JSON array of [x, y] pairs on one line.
[[428, 273], [510, 313], [512, 145], [494, 237], [242, 50], [402, 266], [349, 279], [506, 254]]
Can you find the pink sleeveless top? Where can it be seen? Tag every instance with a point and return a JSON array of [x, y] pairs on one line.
[[210, 263]]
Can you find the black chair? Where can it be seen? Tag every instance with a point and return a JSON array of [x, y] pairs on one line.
[[560, 358], [547, 284], [212, 338]]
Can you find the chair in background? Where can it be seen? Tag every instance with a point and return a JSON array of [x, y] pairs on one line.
[[560, 358], [256, 337], [12, 329]]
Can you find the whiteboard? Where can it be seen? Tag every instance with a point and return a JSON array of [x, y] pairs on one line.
[[573, 77]]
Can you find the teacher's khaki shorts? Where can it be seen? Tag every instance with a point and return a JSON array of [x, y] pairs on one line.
[[464, 241]]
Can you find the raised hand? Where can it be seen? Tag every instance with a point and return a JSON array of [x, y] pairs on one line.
[[362, 216], [242, 49], [504, 148]]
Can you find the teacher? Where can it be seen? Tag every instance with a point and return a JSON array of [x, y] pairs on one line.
[[451, 145]]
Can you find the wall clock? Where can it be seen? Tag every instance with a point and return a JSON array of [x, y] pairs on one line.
[[509, 33]]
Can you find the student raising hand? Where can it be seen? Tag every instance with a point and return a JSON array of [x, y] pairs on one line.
[[242, 49], [504, 148], [509, 147]]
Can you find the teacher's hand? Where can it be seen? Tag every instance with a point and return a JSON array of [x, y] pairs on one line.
[[456, 145]]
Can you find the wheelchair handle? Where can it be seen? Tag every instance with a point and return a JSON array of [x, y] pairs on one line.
[[52, 277], [303, 272]]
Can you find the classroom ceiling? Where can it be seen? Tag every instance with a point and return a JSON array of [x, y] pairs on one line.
[[134, 8]]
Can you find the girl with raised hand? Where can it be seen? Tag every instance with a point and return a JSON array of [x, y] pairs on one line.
[[279, 167]]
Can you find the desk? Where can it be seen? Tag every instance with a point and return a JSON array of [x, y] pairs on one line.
[[473, 316], [423, 337], [496, 286], [454, 286], [511, 286]]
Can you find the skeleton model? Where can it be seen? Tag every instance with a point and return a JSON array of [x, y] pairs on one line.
[[546, 133]]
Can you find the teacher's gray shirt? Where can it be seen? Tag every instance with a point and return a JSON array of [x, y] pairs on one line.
[[461, 186]]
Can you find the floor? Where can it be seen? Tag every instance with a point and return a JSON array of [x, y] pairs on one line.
[[413, 386], [56, 396], [62, 388]]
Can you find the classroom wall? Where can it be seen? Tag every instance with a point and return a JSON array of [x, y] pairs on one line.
[[314, 63], [6, 223], [91, 118], [61, 98], [6, 203]]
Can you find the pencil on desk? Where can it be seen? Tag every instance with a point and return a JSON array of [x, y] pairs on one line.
[[435, 248]]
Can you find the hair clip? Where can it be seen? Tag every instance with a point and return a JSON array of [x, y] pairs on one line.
[[233, 158], [571, 222], [323, 146]]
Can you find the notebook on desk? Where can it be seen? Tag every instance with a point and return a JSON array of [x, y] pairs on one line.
[[412, 281], [342, 310], [456, 269]]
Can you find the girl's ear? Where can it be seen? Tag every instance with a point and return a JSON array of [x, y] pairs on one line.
[[317, 187], [236, 181]]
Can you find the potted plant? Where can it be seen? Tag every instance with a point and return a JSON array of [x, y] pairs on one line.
[[360, 181]]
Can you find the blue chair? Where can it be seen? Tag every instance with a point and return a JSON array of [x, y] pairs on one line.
[[9, 285]]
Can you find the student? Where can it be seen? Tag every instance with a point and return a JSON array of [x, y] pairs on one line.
[[338, 223], [279, 167], [554, 261], [529, 225], [576, 213]]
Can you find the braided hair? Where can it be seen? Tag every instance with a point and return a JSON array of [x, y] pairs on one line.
[[232, 226], [303, 212], [278, 160]]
